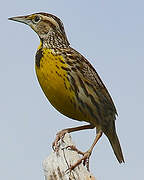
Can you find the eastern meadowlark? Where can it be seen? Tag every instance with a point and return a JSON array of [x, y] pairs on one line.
[[71, 83]]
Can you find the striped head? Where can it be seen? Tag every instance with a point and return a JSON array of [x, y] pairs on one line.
[[49, 28]]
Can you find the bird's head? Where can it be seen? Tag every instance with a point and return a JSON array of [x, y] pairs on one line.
[[49, 28]]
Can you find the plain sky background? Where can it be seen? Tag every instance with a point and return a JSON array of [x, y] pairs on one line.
[[110, 34]]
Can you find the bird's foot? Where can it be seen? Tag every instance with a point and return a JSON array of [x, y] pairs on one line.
[[84, 159], [59, 136]]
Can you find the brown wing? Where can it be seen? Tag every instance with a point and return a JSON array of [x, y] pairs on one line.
[[92, 76], [90, 79]]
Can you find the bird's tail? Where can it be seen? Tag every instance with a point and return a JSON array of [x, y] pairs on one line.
[[114, 141]]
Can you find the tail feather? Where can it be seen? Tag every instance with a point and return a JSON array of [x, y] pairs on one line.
[[114, 141]]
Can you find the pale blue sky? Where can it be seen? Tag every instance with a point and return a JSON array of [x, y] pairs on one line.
[[111, 35]]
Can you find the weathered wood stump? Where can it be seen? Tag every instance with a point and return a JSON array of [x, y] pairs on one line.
[[56, 164]]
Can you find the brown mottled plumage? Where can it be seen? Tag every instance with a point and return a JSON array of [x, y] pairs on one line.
[[71, 83]]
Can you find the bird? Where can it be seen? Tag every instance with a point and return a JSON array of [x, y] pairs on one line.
[[71, 84]]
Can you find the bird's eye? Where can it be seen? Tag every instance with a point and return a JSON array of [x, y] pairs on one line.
[[36, 19]]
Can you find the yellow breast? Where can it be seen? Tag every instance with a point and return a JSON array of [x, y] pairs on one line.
[[53, 78]]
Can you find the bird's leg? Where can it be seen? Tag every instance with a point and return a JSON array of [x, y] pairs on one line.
[[60, 134], [87, 154]]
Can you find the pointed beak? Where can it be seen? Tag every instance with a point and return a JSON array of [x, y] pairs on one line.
[[22, 19]]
